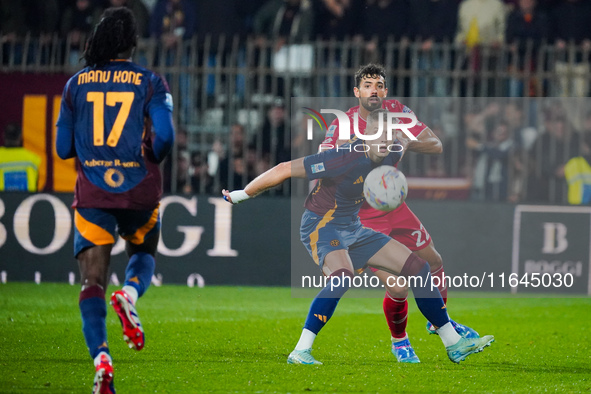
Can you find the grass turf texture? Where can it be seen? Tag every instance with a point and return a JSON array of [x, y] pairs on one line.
[[232, 339]]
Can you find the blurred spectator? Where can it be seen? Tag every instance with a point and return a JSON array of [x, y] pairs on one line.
[[481, 22], [42, 19], [180, 155], [76, 24], [570, 24], [201, 181], [552, 150], [224, 20], [233, 165], [523, 134], [273, 139], [19, 167], [285, 20], [432, 22], [12, 20], [577, 172], [12, 27], [183, 172], [173, 21], [218, 18], [478, 121], [139, 10], [524, 137], [335, 19], [525, 24], [376, 22], [491, 174], [375, 19], [247, 10]]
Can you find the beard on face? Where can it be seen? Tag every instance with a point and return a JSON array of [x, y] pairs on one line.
[[370, 103]]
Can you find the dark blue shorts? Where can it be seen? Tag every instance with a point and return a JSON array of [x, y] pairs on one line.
[[96, 226], [322, 235]]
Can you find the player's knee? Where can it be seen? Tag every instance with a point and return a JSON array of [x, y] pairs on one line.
[[435, 261], [432, 256], [394, 290]]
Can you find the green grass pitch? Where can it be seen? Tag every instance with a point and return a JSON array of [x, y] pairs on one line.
[[236, 339]]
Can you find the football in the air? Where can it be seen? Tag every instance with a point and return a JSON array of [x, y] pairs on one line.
[[385, 188]]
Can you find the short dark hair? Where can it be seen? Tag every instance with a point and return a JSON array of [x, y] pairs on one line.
[[115, 33], [370, 70]]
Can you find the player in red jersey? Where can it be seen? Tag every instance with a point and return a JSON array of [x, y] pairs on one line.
[[400, 224]]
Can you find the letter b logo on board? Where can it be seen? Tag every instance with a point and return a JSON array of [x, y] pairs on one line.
[[554, 238]]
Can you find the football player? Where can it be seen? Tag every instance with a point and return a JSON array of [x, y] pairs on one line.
[[107, 115]]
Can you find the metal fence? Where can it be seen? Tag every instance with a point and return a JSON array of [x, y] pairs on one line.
[[232, 103]]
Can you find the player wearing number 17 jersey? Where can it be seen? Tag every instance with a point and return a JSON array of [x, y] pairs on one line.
[[116, 121], [400, 224]]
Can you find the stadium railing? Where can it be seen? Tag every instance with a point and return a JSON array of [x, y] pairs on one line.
[[219, 81]]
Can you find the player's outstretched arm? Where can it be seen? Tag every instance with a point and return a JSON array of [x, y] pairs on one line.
[[271, 178], [427, 143]]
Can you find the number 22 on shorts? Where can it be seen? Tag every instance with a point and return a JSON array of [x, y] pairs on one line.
[[419, 235]]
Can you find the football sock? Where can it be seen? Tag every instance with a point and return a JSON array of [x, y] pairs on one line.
[[326, 301], [93, 310], [396, 340], [306, 340], [427, 297], [396, 312], [97, 359], [448, 334], [131, 292], [139, 272], [439, 273]]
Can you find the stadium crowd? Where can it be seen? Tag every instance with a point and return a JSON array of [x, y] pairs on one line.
[[501, 146], [430, 20]]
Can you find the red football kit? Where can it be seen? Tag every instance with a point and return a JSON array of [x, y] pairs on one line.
[[401, 223]]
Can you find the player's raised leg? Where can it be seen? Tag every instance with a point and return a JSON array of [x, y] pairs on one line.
[[138, 276], [395, 307], [433, 257], [338, 267], [397, 259]]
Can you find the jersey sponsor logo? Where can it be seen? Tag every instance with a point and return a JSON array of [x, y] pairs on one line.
[[113, 177], [316, 168], [331, 130], [358, 181], [406, 110], [335, 242]]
